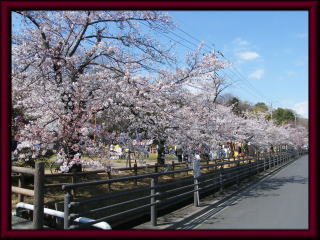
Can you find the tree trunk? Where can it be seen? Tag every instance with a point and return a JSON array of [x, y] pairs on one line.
[[161, 152]]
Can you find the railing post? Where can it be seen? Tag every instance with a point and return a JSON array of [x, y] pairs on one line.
[[38, 213], [21, 184], [238, 174], [279, 159], [109, 177], [221, 178], [67, 201], [156, 167], [264, 162], [58, 221], [153, 209], [172, 169], [273, 160], [135, 173], [196, 200], [269, 162], [73, 181]]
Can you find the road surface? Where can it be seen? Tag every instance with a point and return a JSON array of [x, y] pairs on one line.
[[279, 201]]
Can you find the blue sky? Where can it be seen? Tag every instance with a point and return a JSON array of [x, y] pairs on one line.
[[269, 51]]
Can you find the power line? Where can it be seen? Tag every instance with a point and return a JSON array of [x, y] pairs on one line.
[[163, 34], [235, 71], [252, 90], [245, 90], [249, 90]]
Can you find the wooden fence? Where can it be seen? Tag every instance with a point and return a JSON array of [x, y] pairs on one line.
[[37, 193]]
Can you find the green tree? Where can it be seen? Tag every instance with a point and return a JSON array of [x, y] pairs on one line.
[[282, 115], [239, 107], [260, 107]]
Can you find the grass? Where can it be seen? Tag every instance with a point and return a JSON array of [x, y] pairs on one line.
[[150, 160]]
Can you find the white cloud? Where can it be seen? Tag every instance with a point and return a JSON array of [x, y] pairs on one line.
[[257, 74], [301, 108], [248, 55]]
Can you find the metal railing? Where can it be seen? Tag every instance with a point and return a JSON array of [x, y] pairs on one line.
[[59, 214], [158, 194]]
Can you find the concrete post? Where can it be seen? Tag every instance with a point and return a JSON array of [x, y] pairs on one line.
[[38, 213], [153, 209], [172, 169], [67, 200], [221, 178], [135, 167], [196, 200], [21, 185]]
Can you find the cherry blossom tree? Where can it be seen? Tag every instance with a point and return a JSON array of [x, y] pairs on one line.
[[67, 66]]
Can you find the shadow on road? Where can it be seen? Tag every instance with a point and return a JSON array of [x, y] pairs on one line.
[[262, 189], [197, 218], [268, 186]]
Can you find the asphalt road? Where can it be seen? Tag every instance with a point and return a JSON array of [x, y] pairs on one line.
[[279, 201]]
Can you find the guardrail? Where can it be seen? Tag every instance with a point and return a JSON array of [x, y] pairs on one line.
[[158, 195], [59, 214]]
